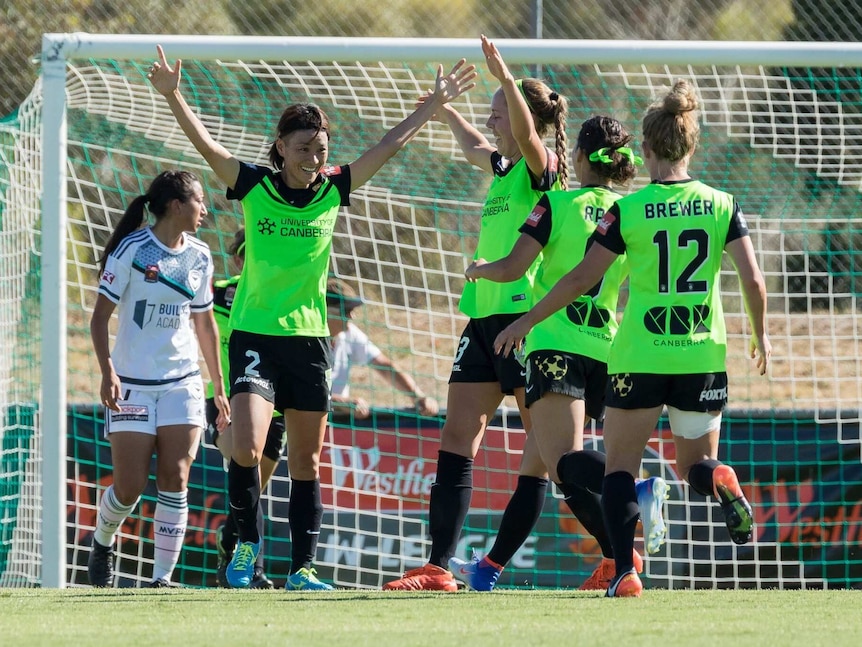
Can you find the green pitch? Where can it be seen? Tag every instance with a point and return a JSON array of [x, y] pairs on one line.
[[212, 617]]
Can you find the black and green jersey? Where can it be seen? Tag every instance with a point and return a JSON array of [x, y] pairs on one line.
[[288, 237], [511, 196], [223, 295], [562, 222], [674, 235]]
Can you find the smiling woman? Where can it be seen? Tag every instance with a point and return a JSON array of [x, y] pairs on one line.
[[279, 350], [523, 111]]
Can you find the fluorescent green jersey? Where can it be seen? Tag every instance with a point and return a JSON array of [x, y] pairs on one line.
[[223, 295], [224, 292], [282, 290], [562, 223], [511, 196], [674, 235]]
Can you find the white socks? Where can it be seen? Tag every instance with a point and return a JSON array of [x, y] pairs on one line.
[[169, 525], [111, 515]]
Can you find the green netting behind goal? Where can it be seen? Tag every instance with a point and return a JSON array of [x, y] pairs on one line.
[[785, 142]]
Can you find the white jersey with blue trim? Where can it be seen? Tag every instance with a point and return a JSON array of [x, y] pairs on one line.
[[157, 289]]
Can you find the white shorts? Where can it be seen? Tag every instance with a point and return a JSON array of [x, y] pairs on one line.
[[180, 403], [693, 424]]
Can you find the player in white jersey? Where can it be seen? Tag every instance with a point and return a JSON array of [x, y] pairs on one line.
[[351, 346], [160, 279]]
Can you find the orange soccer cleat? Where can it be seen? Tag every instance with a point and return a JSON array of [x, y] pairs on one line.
[[601, 578], [627, 585], [424, 578]]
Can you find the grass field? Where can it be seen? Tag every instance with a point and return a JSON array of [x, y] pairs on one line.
[[213, 617]]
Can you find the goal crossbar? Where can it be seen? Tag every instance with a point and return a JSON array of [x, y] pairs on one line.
[[558, 51]]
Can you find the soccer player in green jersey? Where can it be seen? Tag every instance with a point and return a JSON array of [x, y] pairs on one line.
[[566, 356], [671, 346], [523, 168], [279, 347], [224, 292]]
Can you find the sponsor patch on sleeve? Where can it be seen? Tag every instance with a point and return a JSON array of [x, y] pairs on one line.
[[535, 216], [329, 171], [107, 277], [607, 220]]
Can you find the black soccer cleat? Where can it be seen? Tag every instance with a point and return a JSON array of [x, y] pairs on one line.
[[260, 580], [737, 512], [100, 565]]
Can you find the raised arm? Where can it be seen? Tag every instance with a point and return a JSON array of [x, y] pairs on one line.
[[521, 119], [510, 267], [166, 81], [572, 285], [753, 287], [446, 88], [475, 146]]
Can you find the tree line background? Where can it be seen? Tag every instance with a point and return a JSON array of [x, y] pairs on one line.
[[22, 22]]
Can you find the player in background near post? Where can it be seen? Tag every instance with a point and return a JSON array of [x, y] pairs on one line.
[[279, 347], [159, 277], [566, 355], [671, 346], [224, 292], [352, 347], [522, 112]]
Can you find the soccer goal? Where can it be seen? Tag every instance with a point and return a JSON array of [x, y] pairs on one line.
[[782, 131]]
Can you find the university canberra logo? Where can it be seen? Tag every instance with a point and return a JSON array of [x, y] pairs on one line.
[[266, 226]]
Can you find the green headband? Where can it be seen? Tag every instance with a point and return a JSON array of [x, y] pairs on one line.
[[602, 155], [240, 251], [520, 85]]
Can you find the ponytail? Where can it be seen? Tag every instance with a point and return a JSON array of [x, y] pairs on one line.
[[550, 111], [167, 186], [132, 219]]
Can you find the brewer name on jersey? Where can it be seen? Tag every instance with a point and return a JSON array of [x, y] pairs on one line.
[[696, 207]]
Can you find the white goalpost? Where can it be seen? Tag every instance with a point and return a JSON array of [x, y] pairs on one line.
[[777, 118]]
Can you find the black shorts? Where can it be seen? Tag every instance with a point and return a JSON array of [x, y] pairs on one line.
[[476, 361], [577, 376], [276, 437], [690, 392], [290, 372]]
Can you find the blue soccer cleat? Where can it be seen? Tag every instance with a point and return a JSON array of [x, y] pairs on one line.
[[652, 493], [240, 570], [305, 579], [480, 574]]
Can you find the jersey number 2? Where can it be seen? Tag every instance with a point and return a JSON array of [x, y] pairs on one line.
[[251, 367]]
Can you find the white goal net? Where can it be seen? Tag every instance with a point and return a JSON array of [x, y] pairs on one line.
[[784, 140]]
